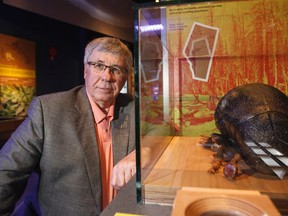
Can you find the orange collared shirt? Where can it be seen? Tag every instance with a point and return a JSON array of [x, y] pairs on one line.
[[104, 138]]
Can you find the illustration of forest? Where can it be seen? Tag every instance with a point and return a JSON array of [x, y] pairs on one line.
[[251, 47]]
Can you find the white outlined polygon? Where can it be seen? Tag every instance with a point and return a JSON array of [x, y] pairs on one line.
[[206, 51], [156, 70]]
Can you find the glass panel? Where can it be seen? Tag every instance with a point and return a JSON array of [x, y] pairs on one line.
[[156, 83], [188, 56]]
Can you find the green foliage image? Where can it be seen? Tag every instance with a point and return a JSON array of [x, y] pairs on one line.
[[15, 100]]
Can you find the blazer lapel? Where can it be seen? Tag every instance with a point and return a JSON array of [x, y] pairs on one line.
[[85, 127]]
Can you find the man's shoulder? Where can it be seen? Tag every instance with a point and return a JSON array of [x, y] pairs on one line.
[[60, 99], [64, 94]]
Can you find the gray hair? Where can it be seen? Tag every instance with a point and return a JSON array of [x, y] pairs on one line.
[[110, 45]]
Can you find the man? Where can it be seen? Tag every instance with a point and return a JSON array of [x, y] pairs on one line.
[[75, 138]]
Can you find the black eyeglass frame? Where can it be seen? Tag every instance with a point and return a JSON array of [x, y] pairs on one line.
[[112, 68]]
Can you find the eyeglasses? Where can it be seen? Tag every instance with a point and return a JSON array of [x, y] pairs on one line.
[[115, 70]]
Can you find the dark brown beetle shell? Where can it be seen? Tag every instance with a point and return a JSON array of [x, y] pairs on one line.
[[255, 117]]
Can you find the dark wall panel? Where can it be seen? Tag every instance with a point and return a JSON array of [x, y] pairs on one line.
[[59, 47]]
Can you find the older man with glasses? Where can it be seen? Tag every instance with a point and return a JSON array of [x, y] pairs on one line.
[[80, 141]]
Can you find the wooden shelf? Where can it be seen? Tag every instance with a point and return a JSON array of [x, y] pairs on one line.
[[184, 163]]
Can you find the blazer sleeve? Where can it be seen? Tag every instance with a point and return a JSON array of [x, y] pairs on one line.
[[19, 157]]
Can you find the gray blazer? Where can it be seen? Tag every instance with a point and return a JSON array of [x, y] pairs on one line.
[[58, 136]]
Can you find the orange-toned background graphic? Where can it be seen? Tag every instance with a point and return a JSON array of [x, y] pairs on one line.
[[252, 46]]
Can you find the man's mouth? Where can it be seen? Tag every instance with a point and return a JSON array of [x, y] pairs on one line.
[[105, 90]]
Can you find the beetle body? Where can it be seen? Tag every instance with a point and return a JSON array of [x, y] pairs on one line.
[[255, 118]]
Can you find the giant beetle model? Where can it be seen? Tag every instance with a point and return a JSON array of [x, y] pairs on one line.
[[253, 118]]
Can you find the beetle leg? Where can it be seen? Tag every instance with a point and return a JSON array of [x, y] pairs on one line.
[[230, 169], [215, 167]]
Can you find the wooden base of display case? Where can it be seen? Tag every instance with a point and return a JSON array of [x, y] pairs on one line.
[[185, 163]]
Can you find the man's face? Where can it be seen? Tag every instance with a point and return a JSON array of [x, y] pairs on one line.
[[104, 86]]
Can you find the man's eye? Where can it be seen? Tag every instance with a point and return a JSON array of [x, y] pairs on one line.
[[116, 70], [100, 66]]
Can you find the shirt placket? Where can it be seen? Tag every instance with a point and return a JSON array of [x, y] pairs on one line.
[[105, 127]]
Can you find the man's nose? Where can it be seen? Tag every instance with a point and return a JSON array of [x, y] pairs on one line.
[[107, 75]]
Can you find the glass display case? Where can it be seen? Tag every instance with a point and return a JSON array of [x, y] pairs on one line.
[[188, 55]]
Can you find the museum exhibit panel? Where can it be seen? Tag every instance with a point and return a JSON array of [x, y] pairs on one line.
[[17, 82], [188, 56]]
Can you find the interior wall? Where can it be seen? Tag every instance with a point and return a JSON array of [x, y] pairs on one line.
[[65, 70], [108, 19]]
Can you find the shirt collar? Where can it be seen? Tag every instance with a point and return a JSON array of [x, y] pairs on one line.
[[99, 115]]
